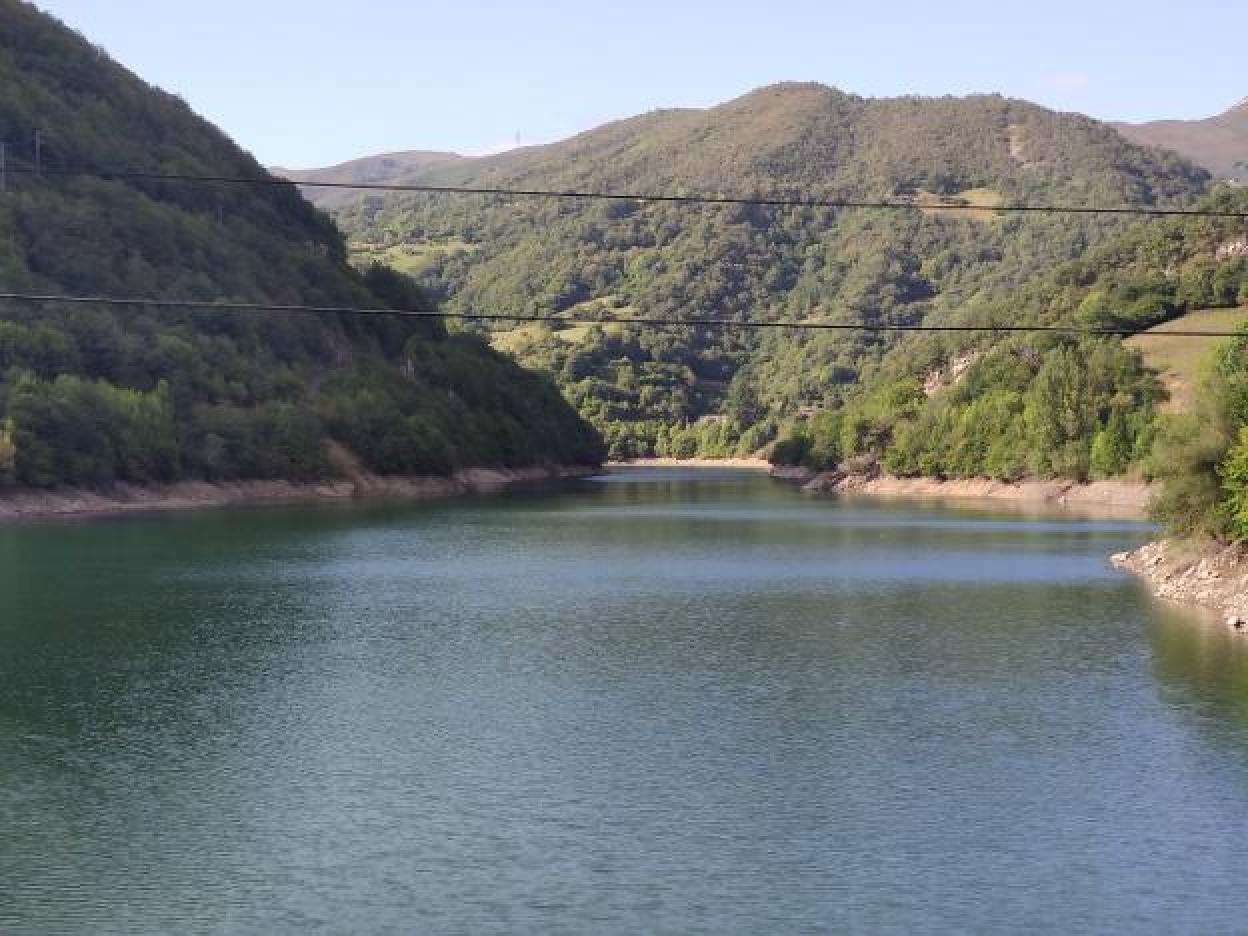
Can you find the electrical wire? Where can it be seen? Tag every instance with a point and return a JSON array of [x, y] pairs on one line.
[[743, 201], [645, 321]]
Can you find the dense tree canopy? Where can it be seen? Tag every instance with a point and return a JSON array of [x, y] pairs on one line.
[[682, 390], [1068, 406], [91, 395]]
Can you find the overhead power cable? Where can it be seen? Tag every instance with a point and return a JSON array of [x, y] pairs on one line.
[[739, 200], [251, 307]]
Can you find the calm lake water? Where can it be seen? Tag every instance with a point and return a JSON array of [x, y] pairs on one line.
[[663, 702]]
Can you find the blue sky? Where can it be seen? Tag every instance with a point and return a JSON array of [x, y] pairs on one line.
[[315, 82]]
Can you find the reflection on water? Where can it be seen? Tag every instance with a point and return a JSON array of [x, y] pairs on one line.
[[1203, 666], [685, 702]]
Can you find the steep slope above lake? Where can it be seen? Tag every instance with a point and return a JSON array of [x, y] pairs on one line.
[[91, 395]]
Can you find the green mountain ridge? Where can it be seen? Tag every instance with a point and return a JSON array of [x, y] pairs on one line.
[[688, 390], [91, 395]]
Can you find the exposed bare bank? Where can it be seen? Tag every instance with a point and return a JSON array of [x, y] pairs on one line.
[[756, 464], [1209, 576], [1119, 497], [27, 504]]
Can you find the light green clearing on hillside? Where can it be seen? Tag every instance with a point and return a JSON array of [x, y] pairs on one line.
[[955, 206], [1180, 360], [410, 259], [601, 305], [520, 339]]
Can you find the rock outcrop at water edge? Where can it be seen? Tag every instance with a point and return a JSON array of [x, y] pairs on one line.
[[1209, 576]]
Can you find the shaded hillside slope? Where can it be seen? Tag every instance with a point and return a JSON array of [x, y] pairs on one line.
[[90, 395]]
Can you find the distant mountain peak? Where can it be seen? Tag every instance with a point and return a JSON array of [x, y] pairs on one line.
[[1220, 143]]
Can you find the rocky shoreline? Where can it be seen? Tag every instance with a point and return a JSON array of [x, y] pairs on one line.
[[1121, 498], [27, 504], [754, 464], [1204, 576], [1212, 577]]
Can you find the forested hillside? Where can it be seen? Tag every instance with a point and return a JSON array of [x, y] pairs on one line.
[[1054, 405], [90, 395], [688, 390]]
